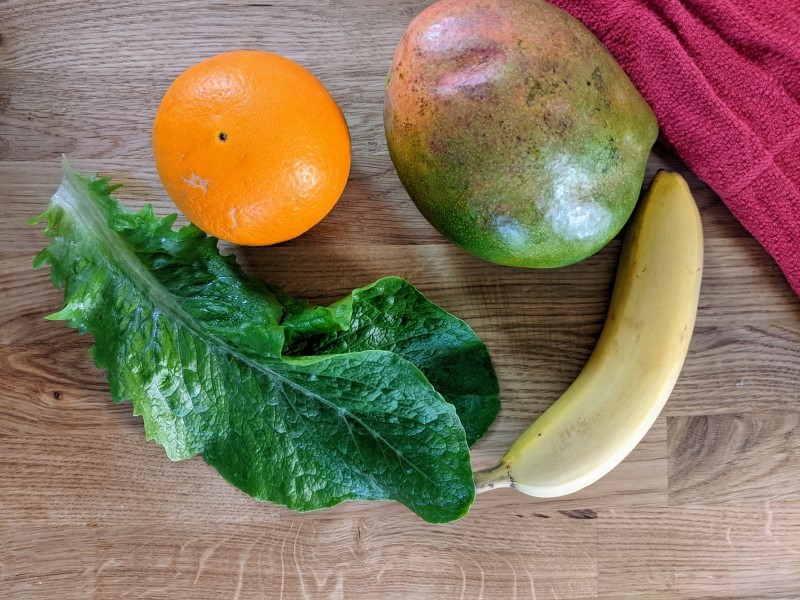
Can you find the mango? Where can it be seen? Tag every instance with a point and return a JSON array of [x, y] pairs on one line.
[[514, 131]]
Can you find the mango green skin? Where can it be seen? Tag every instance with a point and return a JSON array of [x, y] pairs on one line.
[[514, 131]]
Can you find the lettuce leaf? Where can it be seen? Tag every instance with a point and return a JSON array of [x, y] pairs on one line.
[[392, 315], [292, 403]]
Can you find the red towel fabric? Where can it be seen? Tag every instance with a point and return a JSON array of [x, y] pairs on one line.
[[723, 77]]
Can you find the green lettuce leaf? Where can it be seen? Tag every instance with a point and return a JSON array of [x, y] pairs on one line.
[[299, 405], [391, 314]]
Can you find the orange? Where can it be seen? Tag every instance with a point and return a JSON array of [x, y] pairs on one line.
[[251, 147]]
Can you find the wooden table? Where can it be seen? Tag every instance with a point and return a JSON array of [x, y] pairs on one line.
[[708, 505]]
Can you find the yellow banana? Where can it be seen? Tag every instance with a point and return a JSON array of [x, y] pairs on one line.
[[622, 388]]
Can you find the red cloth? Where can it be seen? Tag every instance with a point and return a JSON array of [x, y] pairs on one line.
[[723, 77]]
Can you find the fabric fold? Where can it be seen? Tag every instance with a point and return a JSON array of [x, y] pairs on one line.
[[723, 77]]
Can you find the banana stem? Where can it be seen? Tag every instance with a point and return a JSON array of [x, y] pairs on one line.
[[491, 478]]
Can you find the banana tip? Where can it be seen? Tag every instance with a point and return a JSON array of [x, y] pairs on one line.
[[491, 478]]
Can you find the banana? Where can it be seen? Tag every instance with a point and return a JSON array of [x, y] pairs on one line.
[[625, 383]]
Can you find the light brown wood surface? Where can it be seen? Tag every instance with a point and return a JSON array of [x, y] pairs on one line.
[[708, 505]]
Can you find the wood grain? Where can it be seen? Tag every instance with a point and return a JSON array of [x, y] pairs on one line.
[[707, 506], [541, 554], [741, 550], [734, 457]]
